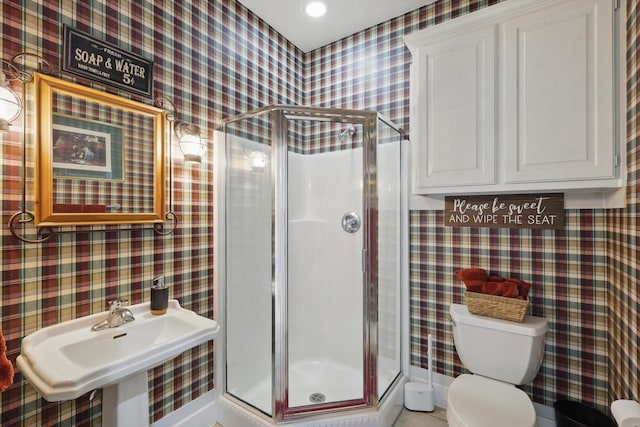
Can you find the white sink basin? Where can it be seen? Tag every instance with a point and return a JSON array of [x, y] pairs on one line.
[[67, 360]]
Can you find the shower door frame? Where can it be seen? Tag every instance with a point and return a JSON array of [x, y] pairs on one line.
[[279, 117]]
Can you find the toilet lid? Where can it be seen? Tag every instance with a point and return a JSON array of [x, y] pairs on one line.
[[476, 401]]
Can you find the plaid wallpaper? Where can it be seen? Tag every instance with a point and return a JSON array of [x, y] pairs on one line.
[[623, 231], [568, 268], [212, 59], [569, 288]]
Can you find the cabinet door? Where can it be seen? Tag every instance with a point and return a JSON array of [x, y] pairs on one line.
[[453, 90], [559, 116]]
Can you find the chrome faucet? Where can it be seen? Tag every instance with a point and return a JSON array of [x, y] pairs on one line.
[[118, 316]]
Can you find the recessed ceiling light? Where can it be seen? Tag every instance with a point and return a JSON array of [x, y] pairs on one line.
[[316, 9]]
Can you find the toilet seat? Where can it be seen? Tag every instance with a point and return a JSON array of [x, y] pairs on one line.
[[476, 401]]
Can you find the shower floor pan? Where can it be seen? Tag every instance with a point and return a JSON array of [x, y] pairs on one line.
[[335, 381], [229, 412]]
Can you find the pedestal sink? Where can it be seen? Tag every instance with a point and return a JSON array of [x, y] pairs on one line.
[[67, 360]]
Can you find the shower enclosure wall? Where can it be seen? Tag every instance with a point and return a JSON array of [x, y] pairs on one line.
[[312, 261]]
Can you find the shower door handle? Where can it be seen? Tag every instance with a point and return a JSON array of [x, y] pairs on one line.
[[351, 222]]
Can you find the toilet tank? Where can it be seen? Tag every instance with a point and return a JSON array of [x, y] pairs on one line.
[[500, 349]]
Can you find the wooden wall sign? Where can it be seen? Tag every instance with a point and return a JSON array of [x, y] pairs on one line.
[[538, 211], [97, 60]]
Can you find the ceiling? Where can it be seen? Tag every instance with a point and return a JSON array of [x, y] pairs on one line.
[[343, 18]]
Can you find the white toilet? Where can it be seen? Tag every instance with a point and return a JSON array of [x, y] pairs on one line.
[[500, 354]]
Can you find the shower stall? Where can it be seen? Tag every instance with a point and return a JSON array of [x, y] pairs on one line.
[[310, 264]]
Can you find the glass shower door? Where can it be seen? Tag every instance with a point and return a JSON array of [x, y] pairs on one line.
[[388, 181], [325, 277], [249, 312]]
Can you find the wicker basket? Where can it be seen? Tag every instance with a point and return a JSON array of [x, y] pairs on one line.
[[497, 307]]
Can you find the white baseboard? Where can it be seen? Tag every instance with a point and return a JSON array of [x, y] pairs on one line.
[[545, 414]]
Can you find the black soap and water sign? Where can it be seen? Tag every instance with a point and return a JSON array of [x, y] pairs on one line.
[[97, 60], [537, 211]]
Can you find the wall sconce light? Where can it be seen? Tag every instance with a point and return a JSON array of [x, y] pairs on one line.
[[10, 103], [11, 70], [10, 108], [192, 145]]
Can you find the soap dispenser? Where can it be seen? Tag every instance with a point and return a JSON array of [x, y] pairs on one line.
[[159, 296]]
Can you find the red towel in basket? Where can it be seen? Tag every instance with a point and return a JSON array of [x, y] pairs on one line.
[[477, 280], [523, 287], [472, 274], [503, 289]]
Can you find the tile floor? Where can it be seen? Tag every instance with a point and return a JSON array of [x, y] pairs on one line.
[[437, 418]]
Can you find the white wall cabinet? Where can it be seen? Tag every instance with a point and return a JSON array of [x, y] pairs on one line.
[[456, 110], [520, 96]]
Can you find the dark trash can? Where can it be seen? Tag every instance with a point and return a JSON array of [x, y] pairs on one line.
[[576, 414]]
